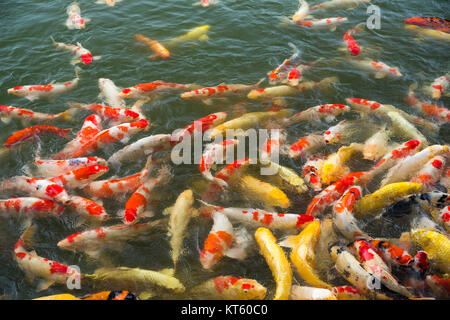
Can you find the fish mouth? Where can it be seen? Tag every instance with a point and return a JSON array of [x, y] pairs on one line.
[[12, 91]]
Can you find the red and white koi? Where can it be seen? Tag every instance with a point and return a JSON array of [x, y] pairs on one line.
[[30, 207], [21, 136], [380, 69], [439, 286], [88, 209], [430, 173], [45, 91], [200, 126], [218, 242], [121, 132], [392, 254], [214, 153], [428, 110], [278, 74], [352, 45], [271, 147], [110, 93], [443, 217], [114, 116], [150, 89], [335, 4], [330, 23], [40, 188], [306, 145], [205, 3], [78, 178], [80, 53], [8, 112], [229, 288], [439, 87], [324, 111], [311, 172], [35, 266], [302, 12], [347, 293], [75, 21], [343, 217], [92, 125], [335, 133], [44, 168], [141, 148], [412, 164], [221, 90]]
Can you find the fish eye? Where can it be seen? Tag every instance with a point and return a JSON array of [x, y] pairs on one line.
[[245, 291]]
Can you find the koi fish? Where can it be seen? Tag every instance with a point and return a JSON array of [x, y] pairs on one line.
[[347, 293], [284, 90], [45, 91], [333, 168], [392, 254], [35, 266], [110, 93], [75, 21], [325, 111], [428, 110], [380, 69], [88, 209], [39, 188], [333, 192], [284, 177], [423, 33], [303, 256], [311, 172], [221, 90], [159, 50], [258, 190], [277, 261], [439, 286], [140, 149], [121, 132], [78, 178], [8, 112], [229, 288], [443, 217], [335, 4], [436, 244], [30, 207], [404, 128], [111, 295], [261, 218], [352, 45], [311, 293], [439, 86], [205, 3], [377, 145], [80, 53], [430, 173], [92, 125], [306, 145], [180, 214], [44, 168], [343, 217], [386, 195], [197, 33], [110, 3], [214, 153], [277, 74], [64, 296], [431, 23], [336, 133], [94, 241], [302, 12], [137, 203], [218, 242], [200, 126], [329, 23], [114, 116], [412, 164], [150, 89]]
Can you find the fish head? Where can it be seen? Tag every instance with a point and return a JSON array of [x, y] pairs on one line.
[[248, 289], [19, 91], [128, 93], [188, 95], [256, 93]]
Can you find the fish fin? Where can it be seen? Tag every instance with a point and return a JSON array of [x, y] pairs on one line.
[[167, 211], [145, 295], [236, 252], [125, 140], [167, 271], [288, 242], [87, 20], [29, 277], [96, 58], [332, 28], [6, 120], [94, 254], [203, 37], [27, 237], [25, 224], [148, 214], [75, 61], [379, 75], [52, 82], [220, 182], [44, 284], [285, 21], [208, 102]]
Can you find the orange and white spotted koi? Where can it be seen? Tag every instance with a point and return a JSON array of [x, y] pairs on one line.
[[47, 168], [428, 110], [325, 111], [380, 69], [30, 207], [45, 91], [336, 4], [88, 209], [94, 241], [113, 188], [9, 112], [229, 288], [219, 240], [443, 217], [343, 217], [347, 293], [121, 132], [277, 75], [80, 53], [75, 21], [374, 264], [333, 193], [430, 173], [21, 136], [199, 126], [114, 116], [352, 45], [40, 188], [271, 147], [439, 87], [311, 172], [228, 173], [330, 23], [150, 89], [214, 153], [159, 50], [261, 218], [78, 178], [306, 145], [221, 90], [392, 254], [412, 164], [35, 266], [92, 125], [335, 133]]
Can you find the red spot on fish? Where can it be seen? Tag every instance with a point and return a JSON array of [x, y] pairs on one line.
[[437, 164], [53, 190], [58, 268], [267, 219], [21, 255]]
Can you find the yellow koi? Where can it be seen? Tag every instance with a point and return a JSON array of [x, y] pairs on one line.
[[259, 190], [436, 244]]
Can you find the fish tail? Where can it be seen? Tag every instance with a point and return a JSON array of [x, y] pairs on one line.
[[68, 115], [164, 175], [285, 21], [77, 72], [27, 236], [53, 41]]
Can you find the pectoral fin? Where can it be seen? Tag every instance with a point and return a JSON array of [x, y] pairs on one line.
[[44, 284], [380, 75]]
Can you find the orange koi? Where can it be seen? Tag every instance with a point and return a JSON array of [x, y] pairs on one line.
[[159, 50], [20, 136]]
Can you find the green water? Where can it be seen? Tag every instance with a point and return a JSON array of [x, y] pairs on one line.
[[246, 40]]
